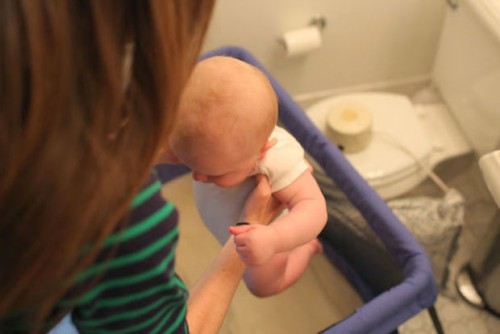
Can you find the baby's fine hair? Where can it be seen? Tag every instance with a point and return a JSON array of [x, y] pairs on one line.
[[226, 94]]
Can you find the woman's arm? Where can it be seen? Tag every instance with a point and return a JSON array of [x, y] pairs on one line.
[[211, 296]]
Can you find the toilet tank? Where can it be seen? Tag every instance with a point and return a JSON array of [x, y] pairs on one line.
[[467, 70]]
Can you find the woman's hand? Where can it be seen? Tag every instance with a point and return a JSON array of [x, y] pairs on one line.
[[254, 242], [209, 298], [261, 207]]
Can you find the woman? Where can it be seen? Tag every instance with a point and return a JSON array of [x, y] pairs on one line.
[[88, 90]]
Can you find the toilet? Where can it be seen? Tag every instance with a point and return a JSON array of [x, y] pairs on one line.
[[408, 139]]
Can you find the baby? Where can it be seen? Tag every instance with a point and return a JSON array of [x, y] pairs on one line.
[[226, 133]]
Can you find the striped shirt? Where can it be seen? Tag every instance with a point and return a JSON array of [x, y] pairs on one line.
[[136, 289]]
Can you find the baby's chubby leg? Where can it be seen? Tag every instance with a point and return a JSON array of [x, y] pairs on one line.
[[281, 271]]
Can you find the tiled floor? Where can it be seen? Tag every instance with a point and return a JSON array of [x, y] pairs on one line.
[[457, 317], [323, 296]]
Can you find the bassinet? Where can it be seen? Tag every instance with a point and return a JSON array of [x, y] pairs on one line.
[[417, 290]]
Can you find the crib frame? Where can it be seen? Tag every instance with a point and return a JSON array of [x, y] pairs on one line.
[[381, 313]]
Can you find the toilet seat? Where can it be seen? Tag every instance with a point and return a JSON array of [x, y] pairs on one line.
[[399, 145]]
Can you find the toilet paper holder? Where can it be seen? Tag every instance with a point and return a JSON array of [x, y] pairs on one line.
[[318, 21], [303, 40]]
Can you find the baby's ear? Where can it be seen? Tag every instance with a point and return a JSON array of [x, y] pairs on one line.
[[270, 143]]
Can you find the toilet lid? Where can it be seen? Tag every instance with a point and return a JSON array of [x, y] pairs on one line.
[[399, 142]]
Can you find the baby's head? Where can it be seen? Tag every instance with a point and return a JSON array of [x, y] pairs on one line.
[[226, 115]]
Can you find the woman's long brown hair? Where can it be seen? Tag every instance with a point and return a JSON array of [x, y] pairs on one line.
[[77, 138]]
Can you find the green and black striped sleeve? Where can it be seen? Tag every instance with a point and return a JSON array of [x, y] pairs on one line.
[[137, 290]]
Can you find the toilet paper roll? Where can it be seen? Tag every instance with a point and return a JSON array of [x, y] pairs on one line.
[[349, 126], [301, 41]]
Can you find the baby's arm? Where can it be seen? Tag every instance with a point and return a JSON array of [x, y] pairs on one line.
[[306, 219], [307, 215]]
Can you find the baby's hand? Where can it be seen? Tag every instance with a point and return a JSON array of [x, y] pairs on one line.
[[254, 243]]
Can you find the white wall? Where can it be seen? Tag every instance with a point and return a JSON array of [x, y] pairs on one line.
[[365, 41]]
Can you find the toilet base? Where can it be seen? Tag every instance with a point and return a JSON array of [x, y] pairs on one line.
[[448, 141]]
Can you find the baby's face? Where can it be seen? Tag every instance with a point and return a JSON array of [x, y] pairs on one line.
[[224, 171], [230, 178]]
